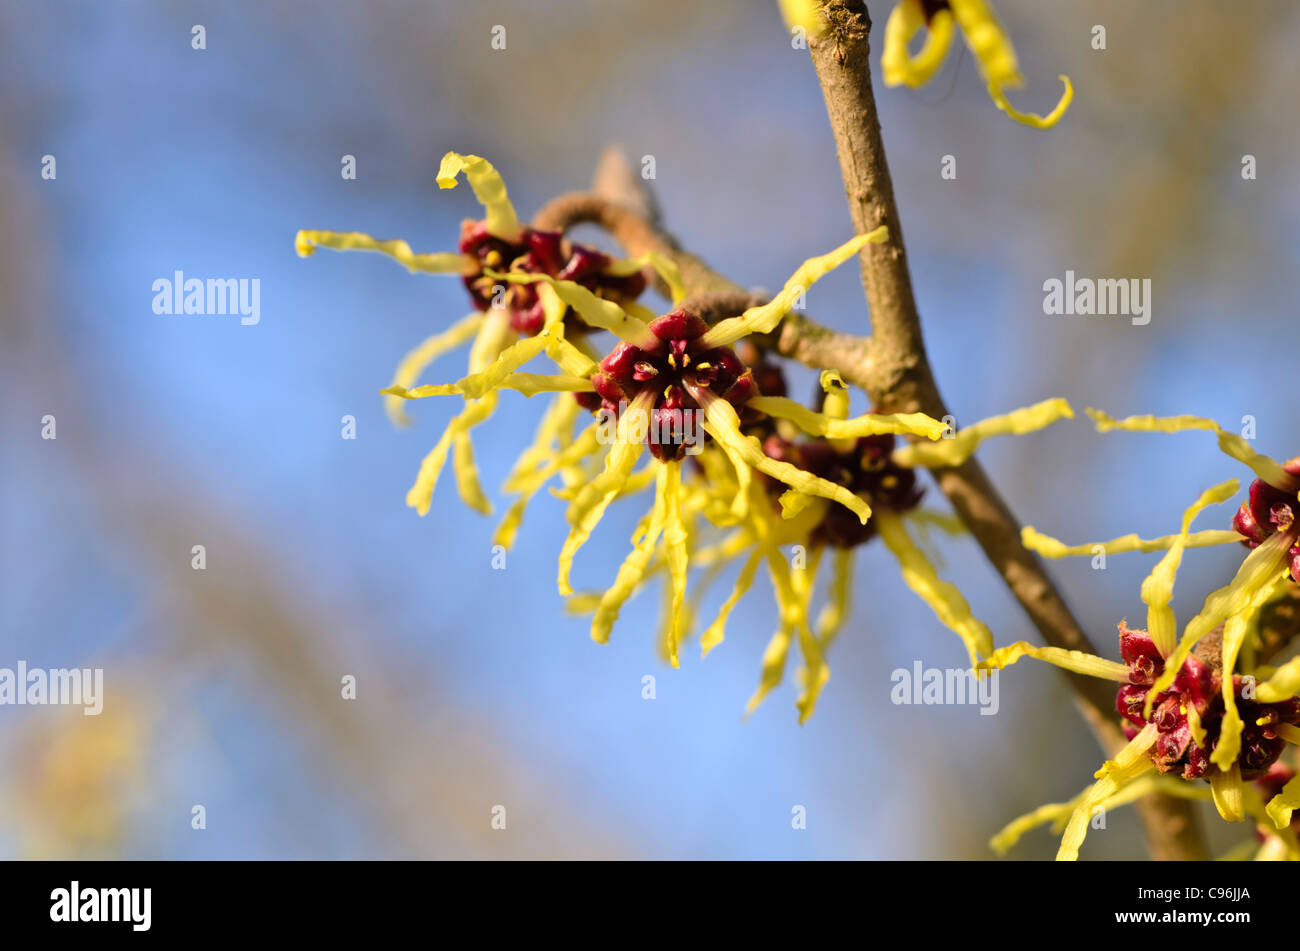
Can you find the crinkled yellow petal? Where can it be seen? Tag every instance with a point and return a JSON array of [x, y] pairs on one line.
[[467, 481], [489, 189], [723, 424], [1283, 685], [588, 507], [716, 631], [1033, 120], [943, 598], [1058, 813], [633, 569], [529, 384], [668, 272], [897, 65], [1089, 665], [988, 42], [1227, 788], [1281, 806], [527, 486], [1258, 570], [554, 430], [955, 451], [475, 412], [815, 672], [765, 317], [596, 311], [439, 262], [836, 611], [1234, 635], [1158, 587], [675, 545], [1128, 765], [418, 360], [1050, 547], [820, 424], [1230, 443]]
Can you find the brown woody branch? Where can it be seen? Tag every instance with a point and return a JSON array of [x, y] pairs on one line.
[[901, 380]]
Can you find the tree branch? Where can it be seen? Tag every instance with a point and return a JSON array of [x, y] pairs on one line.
[[901, 381]]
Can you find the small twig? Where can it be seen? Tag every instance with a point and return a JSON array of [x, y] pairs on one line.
[[901, 380]]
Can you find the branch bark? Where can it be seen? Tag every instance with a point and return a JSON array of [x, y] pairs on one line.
[[901, 380]]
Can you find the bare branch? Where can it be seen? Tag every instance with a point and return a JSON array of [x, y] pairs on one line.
[[901, 380]]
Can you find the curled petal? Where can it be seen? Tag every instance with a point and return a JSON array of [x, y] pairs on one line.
[[1228, 791], [441, 262], [1230, 443], [765, 317], [475, 412], [943, 598], [1031, 119], [1158, 588], [489, 189], [1283, 685], [633, 569], [836, 611], [418, 360], [898, 66], [723, 424], [821, 424], [1050, 547], [1281, 806], [955, 451], [988, 42], [529, 384], [1128, 765], [716, 631], [1077, 661]]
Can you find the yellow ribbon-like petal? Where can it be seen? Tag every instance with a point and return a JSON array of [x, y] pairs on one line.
[[1281, 806], [675, 535], [418, 360], [633, 569], [308, 241], [1283, 685], [821, 424], [1050, 547], [944, 599], [716, 631], [1158, 588], [1033, 120], [955, 451], [839, 594], [1230, 443], [489, 189], [723, 424], [1228, 791], [988, 42], [765, 317], [596, 311], [1128, 765], [1077, 661], [898, 66]]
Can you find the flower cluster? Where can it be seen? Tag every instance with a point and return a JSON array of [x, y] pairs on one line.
[[742, 475], [1203, 705]]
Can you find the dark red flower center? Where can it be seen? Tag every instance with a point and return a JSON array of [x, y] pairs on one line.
[[538, 252], [1198, 686], [673, 373]]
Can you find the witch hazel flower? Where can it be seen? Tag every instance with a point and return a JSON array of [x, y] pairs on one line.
[[1195, 705], [510, 323]]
